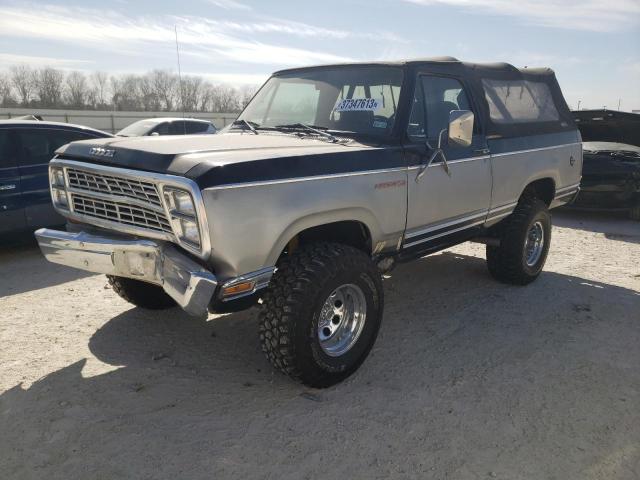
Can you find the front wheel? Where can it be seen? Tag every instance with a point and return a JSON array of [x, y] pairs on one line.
[[525, 237], [321, 313]]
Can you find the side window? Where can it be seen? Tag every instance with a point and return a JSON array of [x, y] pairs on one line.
[[519, 101], [38, 146], [177, 128], [442, 95], [197, 127], [162, 129], [7, 149]]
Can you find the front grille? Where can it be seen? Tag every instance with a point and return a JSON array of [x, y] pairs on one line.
[[120, 213], [98, 182]]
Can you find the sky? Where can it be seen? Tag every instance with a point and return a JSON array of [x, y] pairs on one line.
[[593, 45]]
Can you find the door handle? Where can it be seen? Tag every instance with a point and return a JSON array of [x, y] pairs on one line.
[[482, 151], [10, 186]]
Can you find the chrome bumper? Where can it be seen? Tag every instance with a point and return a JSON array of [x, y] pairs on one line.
[[187, 282]]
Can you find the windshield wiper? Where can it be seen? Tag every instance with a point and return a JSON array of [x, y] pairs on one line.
[[250, 125], [311, 128]]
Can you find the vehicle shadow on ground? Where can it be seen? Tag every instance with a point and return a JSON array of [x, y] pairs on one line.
[[21, 253], [614, 226], [462, 364]]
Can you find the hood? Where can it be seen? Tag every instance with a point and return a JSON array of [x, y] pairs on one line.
[[232, 157], [608, 126], [179, 154]]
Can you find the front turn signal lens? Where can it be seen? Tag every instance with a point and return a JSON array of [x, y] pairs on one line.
[[238, 289]]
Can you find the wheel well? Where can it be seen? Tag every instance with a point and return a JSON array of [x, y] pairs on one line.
[[544, 189], [349, 232]]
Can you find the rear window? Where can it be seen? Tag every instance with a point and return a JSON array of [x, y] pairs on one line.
[[519, 101]]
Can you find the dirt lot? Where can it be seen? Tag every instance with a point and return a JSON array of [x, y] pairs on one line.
[[469, 379]]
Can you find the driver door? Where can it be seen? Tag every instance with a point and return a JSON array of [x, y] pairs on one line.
[[444, 207]]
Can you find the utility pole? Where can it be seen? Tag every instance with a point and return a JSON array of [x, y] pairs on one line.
[[619, 102], [579, 104]]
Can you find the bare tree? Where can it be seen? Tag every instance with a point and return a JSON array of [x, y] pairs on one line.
[[246, 94], [224, 99], [6, 94], [22, 78], [164, 85], [126, 93], [156, 90], [148, 96], [100, 81], [77, 90], [48, 86], [191, 92]]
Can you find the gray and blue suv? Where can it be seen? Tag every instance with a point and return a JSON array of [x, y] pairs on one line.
[[328, 177]]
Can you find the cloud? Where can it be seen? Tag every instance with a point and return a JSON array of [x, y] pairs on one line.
[[11, 59], [593, 15], [229, 5], [112, 31]]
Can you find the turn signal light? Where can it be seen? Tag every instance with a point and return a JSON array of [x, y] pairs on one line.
[[237, 289]]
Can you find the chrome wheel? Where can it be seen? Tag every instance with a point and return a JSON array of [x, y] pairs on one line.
[[341, 320], [534, 244]]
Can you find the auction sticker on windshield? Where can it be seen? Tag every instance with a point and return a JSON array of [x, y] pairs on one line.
[[358, 105]]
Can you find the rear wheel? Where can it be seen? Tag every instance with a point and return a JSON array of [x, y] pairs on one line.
[[321, 313], [141, 294], [525, 237]]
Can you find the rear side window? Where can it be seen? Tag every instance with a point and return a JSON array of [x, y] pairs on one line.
[[519, 101], [7, 151], [39, 145], [197, 127]]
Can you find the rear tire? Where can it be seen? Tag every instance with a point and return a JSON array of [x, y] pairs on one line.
[[524, 237], [321, 313], [141, 294]]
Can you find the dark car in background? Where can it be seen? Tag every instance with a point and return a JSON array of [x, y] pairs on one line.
[[25, 150], [611, 169], [167, 126]]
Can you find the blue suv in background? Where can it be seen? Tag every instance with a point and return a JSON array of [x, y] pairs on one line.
[[25, 150]]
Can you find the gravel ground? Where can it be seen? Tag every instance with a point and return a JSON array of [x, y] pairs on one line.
[[469, 379]]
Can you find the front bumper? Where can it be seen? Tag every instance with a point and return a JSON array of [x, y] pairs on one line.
[[160, 263]]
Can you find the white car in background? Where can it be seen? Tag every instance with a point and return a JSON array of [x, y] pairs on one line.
[[167, 126]]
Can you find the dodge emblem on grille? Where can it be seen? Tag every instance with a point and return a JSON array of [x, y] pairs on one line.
[[102, 152]]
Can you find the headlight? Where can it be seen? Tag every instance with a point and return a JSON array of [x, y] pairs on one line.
[[190, 231], [184, 203], [57, 177], [59, 198], [184, 218], [58, 192]]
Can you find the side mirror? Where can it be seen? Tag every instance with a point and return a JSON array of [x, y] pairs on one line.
[[460, 128]]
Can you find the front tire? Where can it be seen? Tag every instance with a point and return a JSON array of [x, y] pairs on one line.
[[141, 294], [525, 237], [321, 313]]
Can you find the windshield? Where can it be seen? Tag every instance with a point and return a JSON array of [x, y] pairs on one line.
[[137, 129], [354, 99]]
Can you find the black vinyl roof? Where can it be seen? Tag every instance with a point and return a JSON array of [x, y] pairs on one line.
[[498, 67]]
